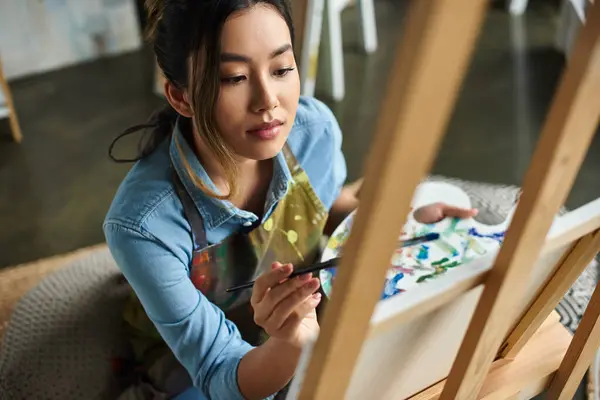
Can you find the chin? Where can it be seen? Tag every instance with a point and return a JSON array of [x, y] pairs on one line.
[[264, 151], [259, 150]]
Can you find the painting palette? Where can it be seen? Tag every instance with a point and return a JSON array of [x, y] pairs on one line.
[[461, 241]]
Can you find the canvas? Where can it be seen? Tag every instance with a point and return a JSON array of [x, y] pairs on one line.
[[461, 241]]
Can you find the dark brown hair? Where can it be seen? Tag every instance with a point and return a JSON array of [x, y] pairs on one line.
[[185, 35]]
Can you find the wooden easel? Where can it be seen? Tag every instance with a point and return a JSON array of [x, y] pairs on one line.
[[9, 107], [512, 345]]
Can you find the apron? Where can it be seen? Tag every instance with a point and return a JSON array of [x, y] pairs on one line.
[[291, 234]]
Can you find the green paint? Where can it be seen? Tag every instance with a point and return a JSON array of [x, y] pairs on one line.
[[451, 265], [453, 225], [426, 277], [440, 262]]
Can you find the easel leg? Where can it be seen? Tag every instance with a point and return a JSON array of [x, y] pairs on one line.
[[580, 353]]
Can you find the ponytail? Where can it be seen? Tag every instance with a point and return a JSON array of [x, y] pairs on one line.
[[162, 122]]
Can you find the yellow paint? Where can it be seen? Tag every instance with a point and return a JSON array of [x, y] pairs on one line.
[[292, 236], [268, 225]]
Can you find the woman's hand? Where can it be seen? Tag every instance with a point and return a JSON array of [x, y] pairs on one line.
[[436, 212], [285, 308]]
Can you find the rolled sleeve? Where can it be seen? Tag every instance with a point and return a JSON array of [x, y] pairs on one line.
[[208, 345]]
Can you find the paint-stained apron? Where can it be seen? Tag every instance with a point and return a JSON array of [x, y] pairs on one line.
[[291, 234]]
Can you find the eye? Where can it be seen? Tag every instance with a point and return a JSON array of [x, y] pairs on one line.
[[283, 71], [233, 80]]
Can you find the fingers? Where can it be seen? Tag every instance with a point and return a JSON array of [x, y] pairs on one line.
[[281, 291], [450, 211], [429, 214], [269, 279], [295, 307], [436, 212]]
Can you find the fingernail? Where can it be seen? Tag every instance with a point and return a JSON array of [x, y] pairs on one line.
[[304, 277], [313, 284], [316, 296], [287, 268]]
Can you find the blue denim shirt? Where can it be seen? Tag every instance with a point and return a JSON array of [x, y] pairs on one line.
[[150, 239]]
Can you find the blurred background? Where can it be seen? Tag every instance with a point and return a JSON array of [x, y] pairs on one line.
[[79, 73]]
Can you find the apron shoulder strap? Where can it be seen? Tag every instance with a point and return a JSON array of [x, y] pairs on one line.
[[191, 211], [290, 158], [192, 214]]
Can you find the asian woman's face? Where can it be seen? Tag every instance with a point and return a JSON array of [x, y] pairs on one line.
[[260, 86]]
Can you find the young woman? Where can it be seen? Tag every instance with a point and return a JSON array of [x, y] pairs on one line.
[[240, 181]]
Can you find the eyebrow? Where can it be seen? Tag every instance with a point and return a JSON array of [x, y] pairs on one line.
[[232, 57]]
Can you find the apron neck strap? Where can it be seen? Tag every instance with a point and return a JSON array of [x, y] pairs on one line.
[[192, 214], [191, 211], [290, 159]]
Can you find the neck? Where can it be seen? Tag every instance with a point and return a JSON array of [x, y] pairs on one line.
[[253, 176]]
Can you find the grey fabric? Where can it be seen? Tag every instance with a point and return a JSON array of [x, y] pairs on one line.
[[63, 333]]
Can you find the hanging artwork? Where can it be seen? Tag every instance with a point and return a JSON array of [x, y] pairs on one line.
[[461, 241], [40, 35]]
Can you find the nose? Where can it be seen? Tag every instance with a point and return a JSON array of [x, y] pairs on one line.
[[265, 97]]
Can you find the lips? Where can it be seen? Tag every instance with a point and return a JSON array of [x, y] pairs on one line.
[[266, 131]]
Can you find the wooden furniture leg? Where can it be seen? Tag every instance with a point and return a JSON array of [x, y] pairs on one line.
[[12, 116], [335, 47], [517, 7], [368, 25], [309, 15]]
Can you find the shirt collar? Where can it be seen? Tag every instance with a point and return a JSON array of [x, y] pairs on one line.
[[215, 212]]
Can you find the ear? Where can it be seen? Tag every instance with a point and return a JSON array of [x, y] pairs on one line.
[[178, 99]]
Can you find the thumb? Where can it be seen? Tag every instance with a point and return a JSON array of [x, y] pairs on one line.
[[275, 265]]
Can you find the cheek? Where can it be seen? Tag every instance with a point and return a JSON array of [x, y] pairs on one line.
[[230, 112], [290, 94]]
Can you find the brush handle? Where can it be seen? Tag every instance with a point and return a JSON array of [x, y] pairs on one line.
[[300, 271], [334, 261]]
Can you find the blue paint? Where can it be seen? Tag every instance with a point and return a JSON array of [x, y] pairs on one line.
[[390, 288], [423, 253], [499, 237]]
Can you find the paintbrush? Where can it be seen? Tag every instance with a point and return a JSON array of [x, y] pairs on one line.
[[430, 237]]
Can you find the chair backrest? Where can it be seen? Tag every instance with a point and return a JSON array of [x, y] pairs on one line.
[[455, 326]]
